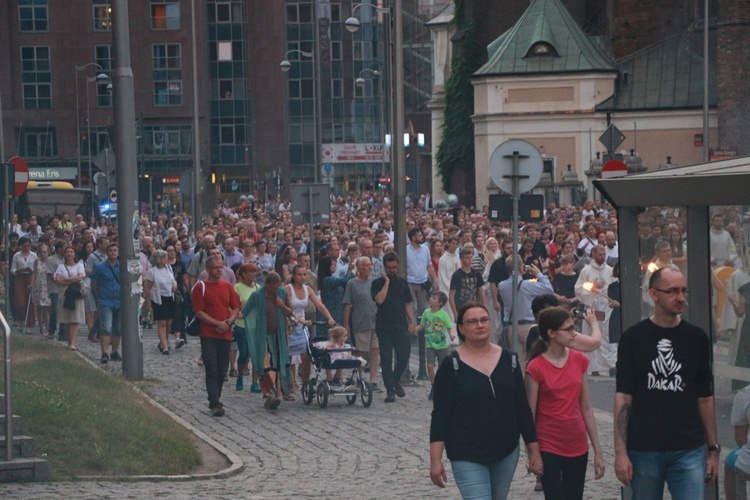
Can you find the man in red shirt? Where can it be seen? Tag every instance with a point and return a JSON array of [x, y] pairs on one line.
[[216, 305]]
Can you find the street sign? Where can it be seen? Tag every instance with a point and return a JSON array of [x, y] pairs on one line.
[[530, 165], [383, 179], [310, 203], [22, 175], [112, 195], [530, 207], [614, 168], [612, 138], [326, 170]]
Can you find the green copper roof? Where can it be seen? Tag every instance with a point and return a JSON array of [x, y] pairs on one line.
[[667, 75], [546, 22]]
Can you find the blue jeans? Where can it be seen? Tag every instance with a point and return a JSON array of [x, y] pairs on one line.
[[490, 481], [240, 336], [109, 320], [684, 471]]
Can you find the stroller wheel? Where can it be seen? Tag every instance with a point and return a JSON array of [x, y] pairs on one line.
[[323, 391], [365, 393], [308, 391]]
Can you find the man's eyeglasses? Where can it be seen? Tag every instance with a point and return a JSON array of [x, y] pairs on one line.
[[476, 321], [673, 292]]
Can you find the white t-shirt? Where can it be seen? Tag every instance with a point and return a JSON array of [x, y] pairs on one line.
[[70, 271], [163, 280], [741, 416]]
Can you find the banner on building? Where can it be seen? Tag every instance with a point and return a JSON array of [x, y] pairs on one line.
[[354, 153]]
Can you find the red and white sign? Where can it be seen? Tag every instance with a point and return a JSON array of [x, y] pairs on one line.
[[383, 179], [22, 175], [353, 153], [614, 168]]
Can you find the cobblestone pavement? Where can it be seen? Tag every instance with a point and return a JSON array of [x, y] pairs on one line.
[[298, 451]]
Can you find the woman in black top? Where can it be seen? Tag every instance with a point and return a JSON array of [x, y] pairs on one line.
[[480, 410]]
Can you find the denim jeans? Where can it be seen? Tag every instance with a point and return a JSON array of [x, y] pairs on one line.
[[684, 471], [109, 320], [240, 336], [485, 481], [215, 361]]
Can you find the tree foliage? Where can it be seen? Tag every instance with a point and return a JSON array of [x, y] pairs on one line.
[[456, 151]]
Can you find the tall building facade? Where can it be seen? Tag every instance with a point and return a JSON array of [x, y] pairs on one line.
[[56, 88]]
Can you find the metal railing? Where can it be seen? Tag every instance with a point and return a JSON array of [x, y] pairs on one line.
[[8, 413]]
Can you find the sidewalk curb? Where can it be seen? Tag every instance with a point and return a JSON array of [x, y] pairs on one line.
[[235, 467]]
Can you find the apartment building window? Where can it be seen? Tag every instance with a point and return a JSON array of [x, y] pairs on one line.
[[103, 55], [37, 142], [102, 15], [33, 15], [165, 15], [36, 78], [225, 12], [167, 140], [167, 74]]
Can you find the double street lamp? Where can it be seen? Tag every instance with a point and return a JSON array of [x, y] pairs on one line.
[[285, 66], [99, 78]]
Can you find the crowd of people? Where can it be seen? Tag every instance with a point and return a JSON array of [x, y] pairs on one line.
[[245, 270]]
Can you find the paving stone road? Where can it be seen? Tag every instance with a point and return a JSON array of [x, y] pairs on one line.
[[298, 451]]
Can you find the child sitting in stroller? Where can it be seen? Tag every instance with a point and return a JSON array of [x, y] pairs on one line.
[[338, 336]]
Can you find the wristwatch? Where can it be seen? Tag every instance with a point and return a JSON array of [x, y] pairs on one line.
[[714, 447], [229, 323]]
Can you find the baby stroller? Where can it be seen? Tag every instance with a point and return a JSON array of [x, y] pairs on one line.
[[320, 359]]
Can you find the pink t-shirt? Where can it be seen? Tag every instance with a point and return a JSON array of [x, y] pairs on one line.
[[559, 423]]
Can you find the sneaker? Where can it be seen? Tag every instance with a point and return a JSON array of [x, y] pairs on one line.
[[391, 397], [181, 342], [105, 358], [165, 352], [115, 356], [240, 384], [271, 403], [432, 392], [255, 387], [375, 387], [218, 410], [246, 372], [399, 391], [232, 373], [594, 374]]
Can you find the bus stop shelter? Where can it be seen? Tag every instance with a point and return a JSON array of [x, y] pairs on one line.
[[694, 188]]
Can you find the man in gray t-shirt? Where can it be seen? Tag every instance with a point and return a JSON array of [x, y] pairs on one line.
[[362, 309]]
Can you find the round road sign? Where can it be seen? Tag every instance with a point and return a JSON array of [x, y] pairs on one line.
[[22, 175], [614, 168], [501, 165]]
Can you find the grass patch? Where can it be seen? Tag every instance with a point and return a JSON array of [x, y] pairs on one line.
[[88, 422]]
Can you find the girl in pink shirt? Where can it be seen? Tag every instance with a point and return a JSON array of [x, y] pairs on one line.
[[557, 389]]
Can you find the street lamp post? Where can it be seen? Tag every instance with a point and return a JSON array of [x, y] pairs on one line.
[[101, 77], [398, 159], [285, 66]]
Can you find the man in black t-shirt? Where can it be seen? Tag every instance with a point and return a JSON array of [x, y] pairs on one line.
[[665, 421], [394, 322], [466, 283]]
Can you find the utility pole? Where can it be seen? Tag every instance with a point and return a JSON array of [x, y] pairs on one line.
[[127, 190]]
